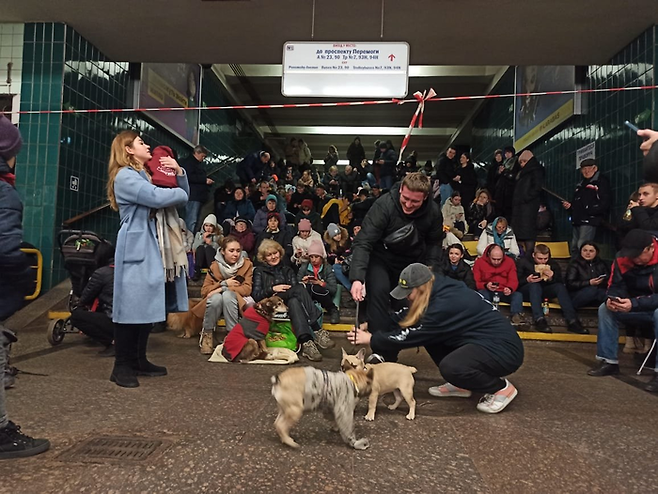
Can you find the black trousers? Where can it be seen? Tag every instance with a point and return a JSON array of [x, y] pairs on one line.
[[96, 325], [381, 278], [325, 300], [303, 313], [205, 255], [130, 342]]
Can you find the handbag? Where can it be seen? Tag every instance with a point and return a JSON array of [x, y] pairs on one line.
[[402, 238], [345, 265]]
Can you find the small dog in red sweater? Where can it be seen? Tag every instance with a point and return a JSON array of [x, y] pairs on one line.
[[246, 341]]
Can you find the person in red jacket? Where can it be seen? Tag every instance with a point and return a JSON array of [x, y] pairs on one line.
[[495, 272]]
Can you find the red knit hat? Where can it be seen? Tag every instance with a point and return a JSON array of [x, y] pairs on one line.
[[307, 203]]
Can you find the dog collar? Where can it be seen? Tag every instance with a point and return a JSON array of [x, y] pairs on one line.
[[356, 387]]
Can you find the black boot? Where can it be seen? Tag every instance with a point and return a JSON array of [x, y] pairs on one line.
[[15, 444], [144, 367], [576, 326], [604, 369], [126, 341]]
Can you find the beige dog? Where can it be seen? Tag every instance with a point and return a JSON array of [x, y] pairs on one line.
[[305, 389], [387, 377], [185, 321]]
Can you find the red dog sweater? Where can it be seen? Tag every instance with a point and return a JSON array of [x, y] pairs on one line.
[[252, 325]]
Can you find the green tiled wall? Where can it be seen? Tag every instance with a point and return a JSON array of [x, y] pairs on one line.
[[617, 149], [62, 69]]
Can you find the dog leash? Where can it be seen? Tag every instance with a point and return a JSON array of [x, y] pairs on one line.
[[356, 326]]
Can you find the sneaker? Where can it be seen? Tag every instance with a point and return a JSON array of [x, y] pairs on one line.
[[448, 390], [335, 316], [206, 344], [15, 444], [323, 340], [311, 352], [280, 316], [498, 401], [604, 369], [576, 326], [542, 326], [516, 319]]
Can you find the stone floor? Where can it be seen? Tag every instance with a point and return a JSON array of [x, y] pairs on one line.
[[566, 432]]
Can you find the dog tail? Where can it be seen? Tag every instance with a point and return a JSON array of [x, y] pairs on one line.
[[413, 370], [275, 381]]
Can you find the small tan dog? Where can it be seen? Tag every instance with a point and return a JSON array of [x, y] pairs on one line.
[[304, 389], [187, 322], [387, 377]]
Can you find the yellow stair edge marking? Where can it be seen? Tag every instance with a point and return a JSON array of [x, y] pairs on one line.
[[58, 314]]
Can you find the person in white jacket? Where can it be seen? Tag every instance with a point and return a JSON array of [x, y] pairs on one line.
[[499, 233], [302, 241]]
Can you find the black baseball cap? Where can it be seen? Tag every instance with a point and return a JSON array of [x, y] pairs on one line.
[[587, 162], [635, 242], [412, 276]]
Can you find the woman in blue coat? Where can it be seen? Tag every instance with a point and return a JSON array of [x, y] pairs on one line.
[[139, 274]]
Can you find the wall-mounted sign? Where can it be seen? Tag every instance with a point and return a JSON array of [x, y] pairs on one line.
[[588, 151], [345, 70], [74, 183]]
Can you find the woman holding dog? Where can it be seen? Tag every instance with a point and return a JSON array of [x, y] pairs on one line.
[[228, 281], [273, 277], [139, 274], [472, 343]]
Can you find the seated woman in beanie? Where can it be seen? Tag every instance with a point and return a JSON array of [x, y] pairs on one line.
[[272, 277], [453, 266], [318, 277], [260, 220], [473, 346], [339, 245], [587, 277], [282, 236], [242, 232], [306, 213], [302, 241]]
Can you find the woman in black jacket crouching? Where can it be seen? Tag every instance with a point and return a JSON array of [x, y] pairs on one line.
[[587, 277]]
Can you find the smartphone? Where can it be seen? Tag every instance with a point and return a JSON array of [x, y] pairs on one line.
[[631, 126], [616, 299], [238, 278], [601, 276]]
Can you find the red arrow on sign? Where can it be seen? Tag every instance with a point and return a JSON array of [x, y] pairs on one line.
[[391, 57]]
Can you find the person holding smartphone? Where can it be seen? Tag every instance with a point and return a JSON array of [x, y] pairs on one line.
[[587, 277]]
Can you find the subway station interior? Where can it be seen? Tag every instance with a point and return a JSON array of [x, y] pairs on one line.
[[209, 426]]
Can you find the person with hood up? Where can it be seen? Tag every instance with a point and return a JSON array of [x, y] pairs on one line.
[[495, 272], [402, 227], [282, 236], [318, 277], [15, 280], [526, 201], [474, 346], [355, 153], [205, 245], [499, 233], [243, 232], [302, 241], [453, 266], [260, 219], [228, 282]]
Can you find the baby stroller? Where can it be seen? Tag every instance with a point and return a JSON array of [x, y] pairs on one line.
[[78, 249]]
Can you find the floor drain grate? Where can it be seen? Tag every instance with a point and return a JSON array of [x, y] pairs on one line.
[[115, 449]]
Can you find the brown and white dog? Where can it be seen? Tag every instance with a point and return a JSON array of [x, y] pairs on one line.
[[387, 377], [246, 341], [187, 322]]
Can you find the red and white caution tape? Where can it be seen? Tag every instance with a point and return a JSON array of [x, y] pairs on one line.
[[420, 111]]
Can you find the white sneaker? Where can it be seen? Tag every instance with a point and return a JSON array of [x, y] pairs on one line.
[[498, 401], [447, 390]]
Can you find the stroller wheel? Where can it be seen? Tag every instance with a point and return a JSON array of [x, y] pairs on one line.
[[55, 332]]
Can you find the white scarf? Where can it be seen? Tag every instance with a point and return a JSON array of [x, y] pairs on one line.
[[227, 270]]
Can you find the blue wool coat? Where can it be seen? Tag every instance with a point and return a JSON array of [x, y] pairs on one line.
[[139, 278]]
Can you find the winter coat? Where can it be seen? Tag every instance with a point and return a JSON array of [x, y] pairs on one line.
[[296, 200], [388, 167], [326, 274], [246, 238], [214, 241], [386, 217], [341, 250], [266, 276], [529, 183], [581, 271], [591, 201], [446, 169], [468, 182], [504, 274], [504, 192], [463, 272], [330, 160], [239, 209], [251, 167], [511, 247], [299, 243], [525, 266], [196, 177], [360, 209], [260, 220], [356, 154], [476, 213], [644, 218], [214, 280], [283, 237], [638, 283], [305, 155], [333, 189], [314, 218], [139, 277], [452, 214], [100, 286], [456, 316], [349, 183]]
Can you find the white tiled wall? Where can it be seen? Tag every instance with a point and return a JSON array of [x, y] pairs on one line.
[[11, 51]]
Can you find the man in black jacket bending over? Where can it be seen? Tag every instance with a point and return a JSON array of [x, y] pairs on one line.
[[199, 183], [402, 227]]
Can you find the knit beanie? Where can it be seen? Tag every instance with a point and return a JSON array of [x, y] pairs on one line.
[[333, 229], [211, 219], [274, 214], [316, 249], [10, 139], [271, 197], [304, 225], [307, 203]]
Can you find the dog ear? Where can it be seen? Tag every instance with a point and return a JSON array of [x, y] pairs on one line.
[[361, 354]]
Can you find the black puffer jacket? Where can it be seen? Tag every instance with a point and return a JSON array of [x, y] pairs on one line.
[[462, 273], [390, 160], [446, 169], [591, 201], [100, 286], [384, 218], [266, 276], [196, 176], [527, 192], [581, 271]]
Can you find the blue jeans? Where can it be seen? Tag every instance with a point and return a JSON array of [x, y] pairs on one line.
[[344, 280], [515, 300], [535, 293], [192, 209], [446, 191], [607, 342], [386, 182], [581, 234], [370, 179], [590, 296]]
